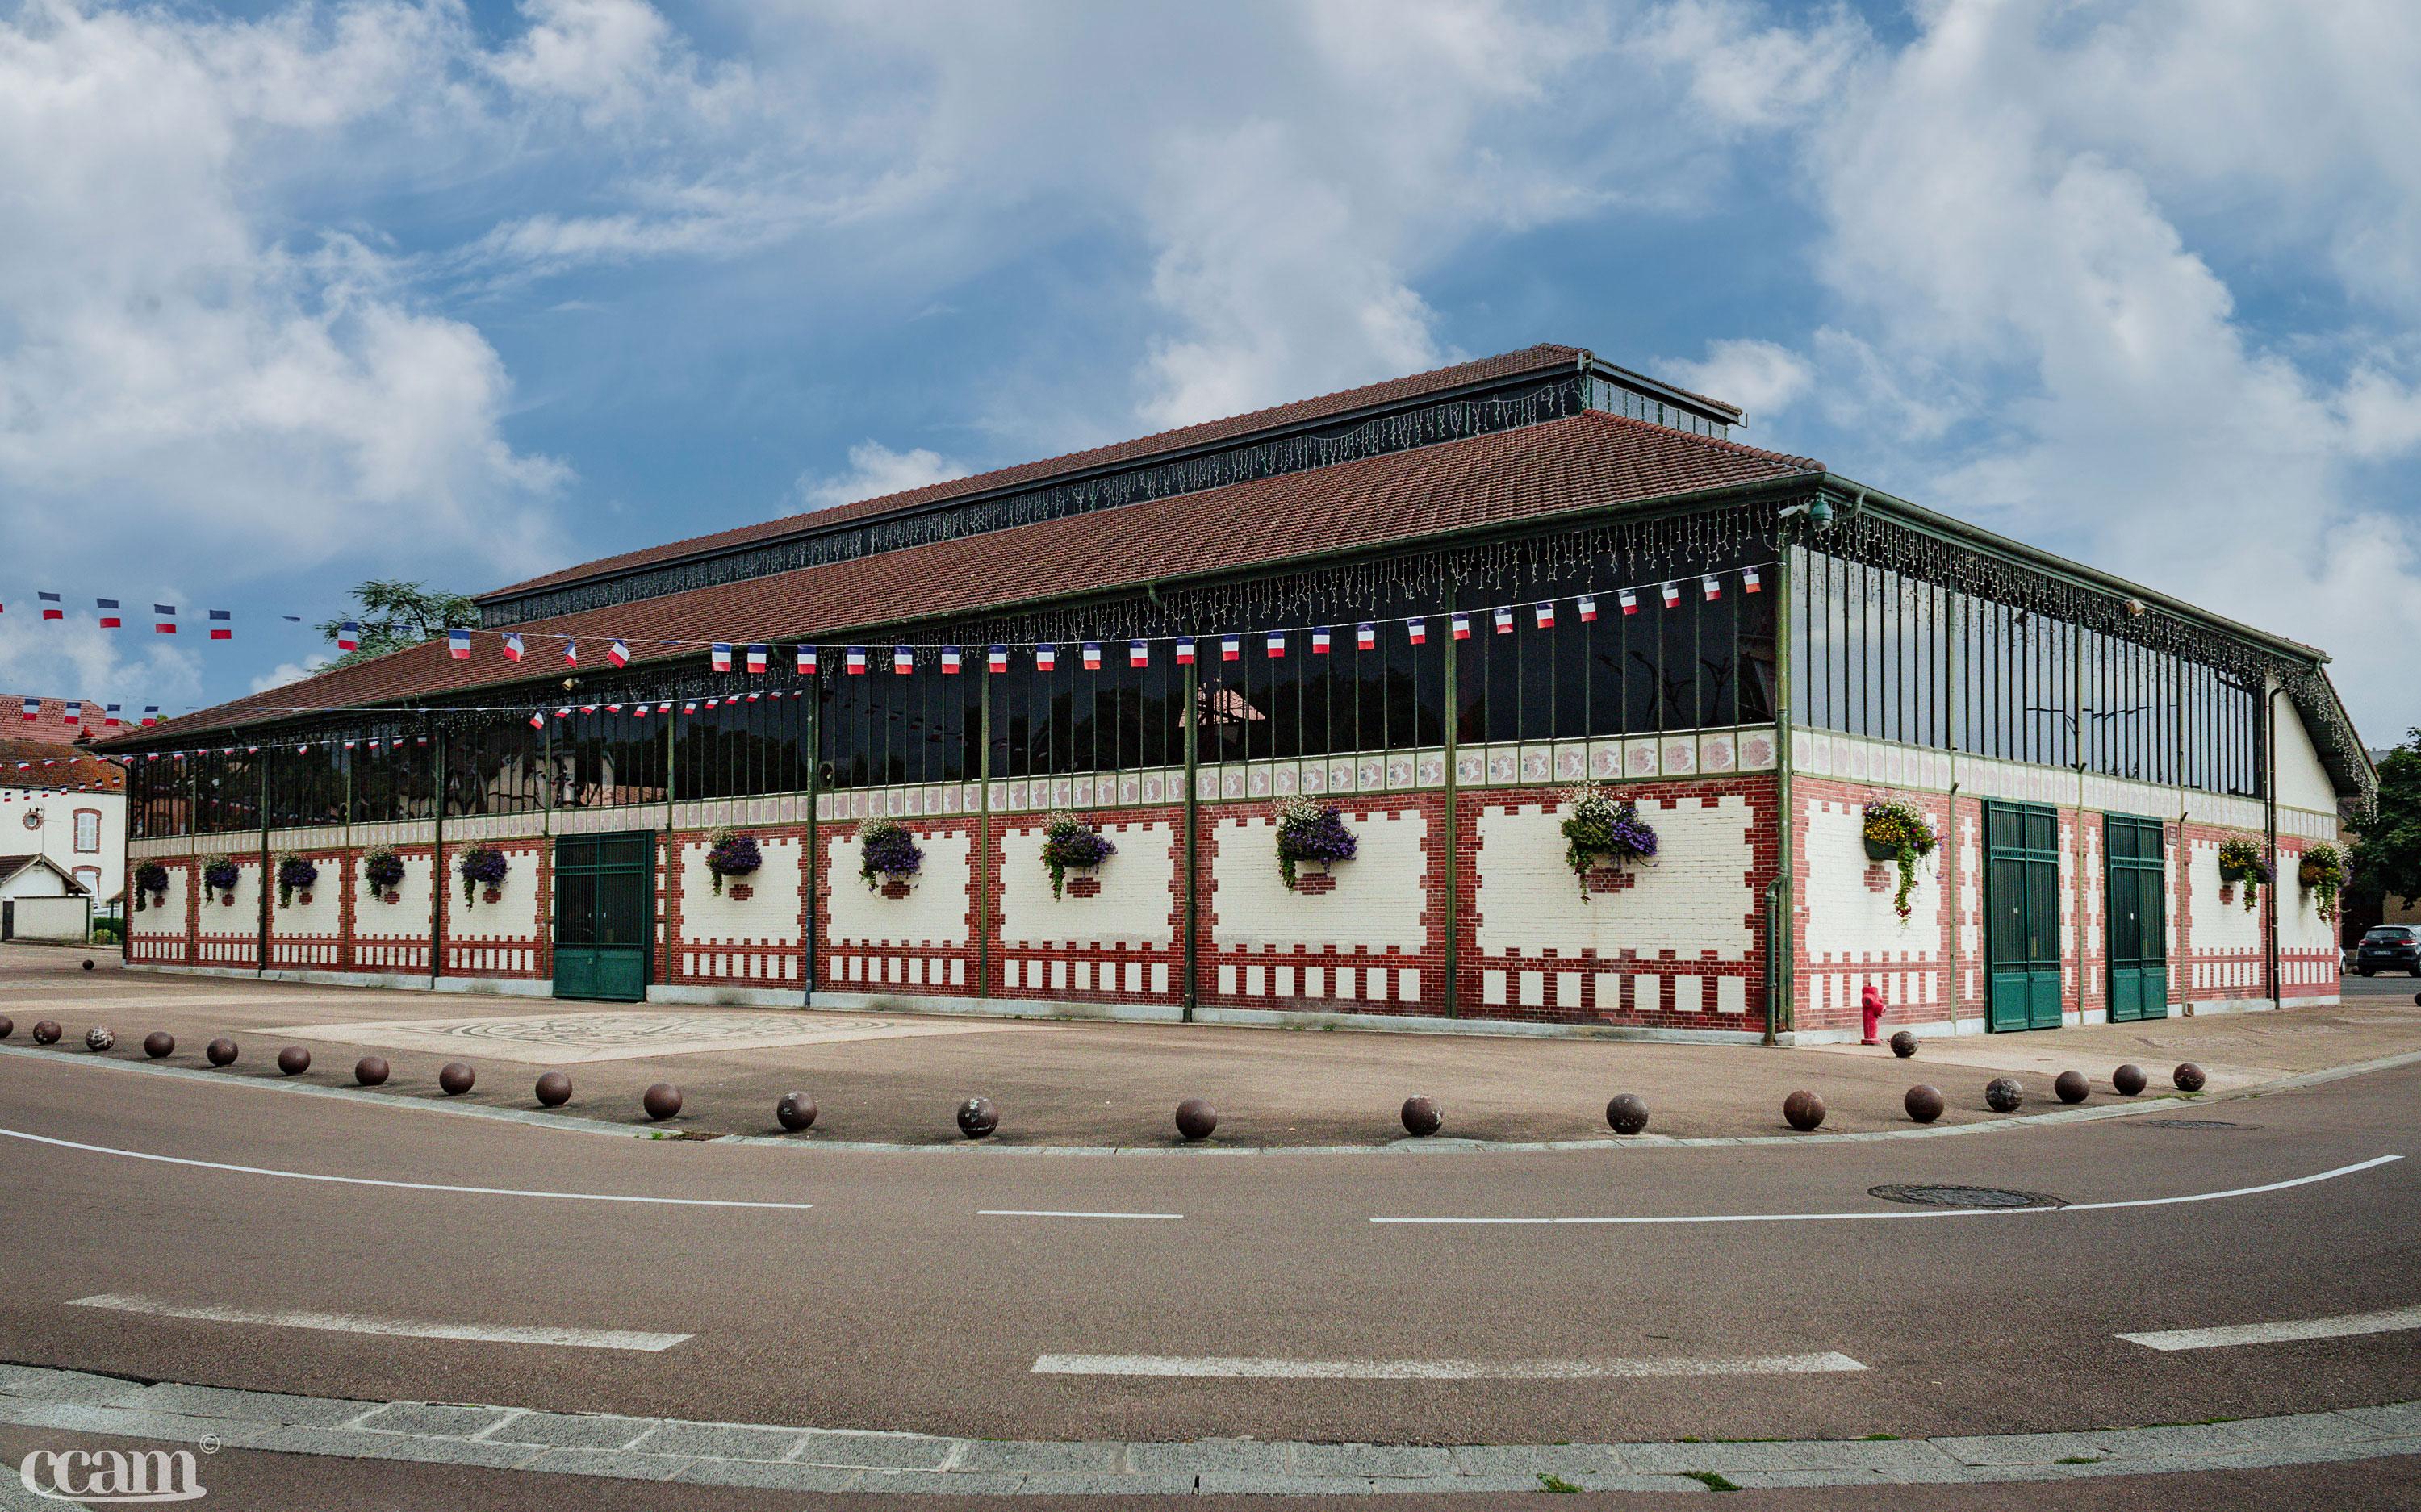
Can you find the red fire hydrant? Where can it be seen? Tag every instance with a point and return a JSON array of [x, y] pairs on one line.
[[1871, 1007]]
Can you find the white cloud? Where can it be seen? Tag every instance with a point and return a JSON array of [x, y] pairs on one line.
[[874, 470], [1759, 375], [286, 672]]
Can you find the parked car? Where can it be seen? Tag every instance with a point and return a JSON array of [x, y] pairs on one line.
[[2390, 947]]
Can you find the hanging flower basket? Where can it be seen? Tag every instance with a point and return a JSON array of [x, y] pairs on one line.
[[1309, 829], [729, 853], [150, 880], [1070, 844], [482, 865], [295, 874], [1898, 831], [383, 870], [2321, 872], [887, 856], [220, 875], [1597, 825], [2240, 860]]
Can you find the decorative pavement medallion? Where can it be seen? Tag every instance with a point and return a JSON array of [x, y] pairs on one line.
[[576, 1039]]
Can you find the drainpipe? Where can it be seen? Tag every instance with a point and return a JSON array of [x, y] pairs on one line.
[[436, 858], [815, 838], [1453, 785], [2269, 825], [1950, 865], [1781, 950], [1193, 843], [975, 873]]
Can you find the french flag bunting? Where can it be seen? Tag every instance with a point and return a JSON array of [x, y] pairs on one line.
[[1672, 595], [716, 703], [33, 709], [1366, 636], [1138, 654], [1230, 647], [903, 659], [349, 635], [458, 642], [807, 659], [588, 709], [537, 719], [1588, 607], [109, 718], [690, 708], [151, 713], [1416, 630], [1319, 640], [512, 645], [1185, 650], [164, 617], [997, 658], [856, 662], [222, 624], [1503, 614], [759, 656], [1277, 645], [1463, 627], [638, 712], [618, 653], [51, 607], [719, 658], [73, 712], [570, 653], [1545, 614], [1629, 599], [108, 607], [1711, 586], [1092, 656], [950, 658], [1748, 581], [1046, 659]]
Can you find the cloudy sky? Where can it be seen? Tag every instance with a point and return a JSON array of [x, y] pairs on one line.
[[296, 294]]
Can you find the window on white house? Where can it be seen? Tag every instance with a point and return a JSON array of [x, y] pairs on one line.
[[87, 830], [90, 877]]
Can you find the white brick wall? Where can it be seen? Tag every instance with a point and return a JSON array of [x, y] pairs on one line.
[[2217, 925], [1133, 906], [1379, 896], [1847, 921], [770, 916], [1696, 898], [325, 910], [933, 912], [408, 915], [160, 918]]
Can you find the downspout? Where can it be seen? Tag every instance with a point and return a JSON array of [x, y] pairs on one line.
[[2270, 824], [976, 878], [1193, 843], [1453, 837], [436, 859], [809, 955]]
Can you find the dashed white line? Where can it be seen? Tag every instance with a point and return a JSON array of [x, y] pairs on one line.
[[2343, 1326], [406, 1186], [1043, 1212], [577, 1338], [1231, 1367], [1927, 1213]]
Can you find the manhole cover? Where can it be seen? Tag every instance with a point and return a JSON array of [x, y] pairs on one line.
[[2190, 1123], [1964, 1196]]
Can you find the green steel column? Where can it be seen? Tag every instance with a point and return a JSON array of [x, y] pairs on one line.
[[815, 840], [437, 855], [260, 950], [1193, 842], [1452, 848], [983, 843], [1782, 952]]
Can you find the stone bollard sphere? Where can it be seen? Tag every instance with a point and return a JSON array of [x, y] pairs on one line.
[[371, 1070], [456, 1078], [2189, 1077], [796, 1111], [1627, 1114], [1923, 1103], [554, 1089], [220, 1051], [87, 965], [100, 1038], [2072, 1086], [2128, 1079], [295, 1060], [7, 1026], [1423, 1117], [46, 1030], [1803, 1110], [159, 1044], [662, 1102], [1903, 1043], [2005, 1093], [1196, 1118], [977, 1117]]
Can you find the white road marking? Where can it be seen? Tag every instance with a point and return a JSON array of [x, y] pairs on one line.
[[1247, 1367], [578, 1338], [2343, 1326], [406, 1186], [1931, 1213], [1037, 1213]]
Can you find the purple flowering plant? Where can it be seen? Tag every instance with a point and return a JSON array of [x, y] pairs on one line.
[[1596, 823], [731, 854], [1070, 844], [295, 873], [150, 880], [481, 864], [1309, 829], [219, 874], [886, 849], [382, 868]]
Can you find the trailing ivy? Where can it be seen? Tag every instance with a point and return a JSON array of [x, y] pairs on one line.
[[1070, 844], [1902, 828], [1598, 824]]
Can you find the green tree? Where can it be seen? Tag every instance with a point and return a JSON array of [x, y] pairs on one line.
[[394, 615], [2387, 840]]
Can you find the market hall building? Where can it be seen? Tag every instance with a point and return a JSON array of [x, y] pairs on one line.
[[817, 759]]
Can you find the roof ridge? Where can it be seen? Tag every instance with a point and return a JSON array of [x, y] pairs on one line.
[[1807, 463]]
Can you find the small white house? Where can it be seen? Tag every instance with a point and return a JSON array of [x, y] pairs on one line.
[[68, 809]]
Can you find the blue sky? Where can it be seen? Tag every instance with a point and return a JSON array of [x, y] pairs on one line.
[[295, 295]]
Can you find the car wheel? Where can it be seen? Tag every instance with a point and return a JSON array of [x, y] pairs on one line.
[[2367, 971]]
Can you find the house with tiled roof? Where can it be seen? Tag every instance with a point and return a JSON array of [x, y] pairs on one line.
[[60, 802], [1514, 693]]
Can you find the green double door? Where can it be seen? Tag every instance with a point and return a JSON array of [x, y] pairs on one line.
[[2022, 916], [604, 915], [2139, 937]]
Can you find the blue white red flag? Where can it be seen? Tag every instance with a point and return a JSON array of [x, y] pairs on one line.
[[1319, 640], [903, 659], [1588, 607], [1366, 636], [618, 653], [807, 659], [1046, 658], [1463, 627], [856, 660], [1277, 645], [1545, 614], [1230, 647], [1138, 654], [1748, 581], [348, 636], [222, 624], [1711, 586], [538, 719], [165, 614], [512, 645], [109, 718], [1504, 616], [1417, 631], [1672, 595], [997, 657], [1630, 601], [570, 653], [151, 713], [950, 660], [458, 642], [1185, 650], [759, 656], [73, 712], [50, 607], [718, 658], [1092, 656], [108, 608], [33, 709]]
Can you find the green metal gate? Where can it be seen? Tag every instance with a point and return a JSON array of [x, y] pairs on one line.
[[604, 915], [2139, 938], [2021, 915]]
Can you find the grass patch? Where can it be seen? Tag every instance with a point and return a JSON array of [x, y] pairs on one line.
[[1554, 1483], [1710, 1480], [2079, 1459], [1881, 1438]]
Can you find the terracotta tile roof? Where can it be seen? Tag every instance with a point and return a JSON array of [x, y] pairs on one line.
[[1581, 462], [50, 725], [1530, 359], [54, 767]]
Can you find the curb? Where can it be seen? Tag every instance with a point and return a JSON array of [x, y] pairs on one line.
[[805, 1459], [572, 1123]]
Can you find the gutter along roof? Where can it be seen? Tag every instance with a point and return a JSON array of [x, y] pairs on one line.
[[1558, 468]]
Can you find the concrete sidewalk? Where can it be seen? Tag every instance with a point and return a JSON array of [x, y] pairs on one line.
[[897, 1078]]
